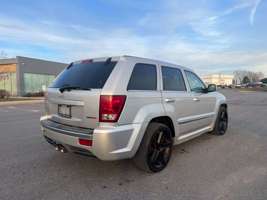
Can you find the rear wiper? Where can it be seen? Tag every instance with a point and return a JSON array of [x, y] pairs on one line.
[[69, 88]]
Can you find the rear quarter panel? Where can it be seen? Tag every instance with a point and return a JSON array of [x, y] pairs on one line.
[[141, 107]]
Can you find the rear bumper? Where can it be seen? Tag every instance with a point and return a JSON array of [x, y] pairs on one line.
[[109, 143]]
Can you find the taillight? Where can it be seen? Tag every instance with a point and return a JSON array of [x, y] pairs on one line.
[[110, 107]]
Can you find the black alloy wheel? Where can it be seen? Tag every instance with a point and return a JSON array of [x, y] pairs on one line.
[[221, 124], [159, 151], [223, 121], [155, 149]]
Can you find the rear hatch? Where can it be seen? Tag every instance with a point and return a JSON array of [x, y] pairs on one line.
[[73, 98]]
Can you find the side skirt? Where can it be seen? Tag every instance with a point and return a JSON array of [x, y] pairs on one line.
[[192, 135]]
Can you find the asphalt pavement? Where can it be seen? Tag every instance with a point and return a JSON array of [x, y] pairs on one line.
[[230, 167]]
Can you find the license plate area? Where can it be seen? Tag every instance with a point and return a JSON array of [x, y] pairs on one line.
[[64, 110]]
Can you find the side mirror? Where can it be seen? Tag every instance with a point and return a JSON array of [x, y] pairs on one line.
[[211, 88]]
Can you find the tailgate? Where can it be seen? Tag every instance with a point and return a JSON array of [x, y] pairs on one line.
[[83, 106]]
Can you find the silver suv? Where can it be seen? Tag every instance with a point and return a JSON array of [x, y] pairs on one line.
[[128, 107]]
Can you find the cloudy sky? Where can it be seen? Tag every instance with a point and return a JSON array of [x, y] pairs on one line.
[[207, 35]]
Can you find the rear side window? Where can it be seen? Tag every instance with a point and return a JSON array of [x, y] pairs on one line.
[[144, 77], [86, 74], [172, 79]]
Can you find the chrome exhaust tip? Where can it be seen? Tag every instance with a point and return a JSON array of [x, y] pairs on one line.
[[60, 148]]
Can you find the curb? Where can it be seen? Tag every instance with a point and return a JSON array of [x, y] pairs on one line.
[[7, 103]]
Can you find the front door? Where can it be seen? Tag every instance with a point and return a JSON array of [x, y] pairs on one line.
[[202, 105]]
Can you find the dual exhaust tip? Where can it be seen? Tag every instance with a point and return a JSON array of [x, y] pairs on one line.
[[60, 148]]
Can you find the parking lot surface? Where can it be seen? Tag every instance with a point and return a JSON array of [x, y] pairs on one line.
[[233, 166]]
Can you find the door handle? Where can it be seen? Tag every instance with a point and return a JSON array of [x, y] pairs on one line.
[[169, 100], [196, 99]]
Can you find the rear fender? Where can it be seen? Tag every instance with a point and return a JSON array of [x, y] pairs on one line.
[[143, 117]]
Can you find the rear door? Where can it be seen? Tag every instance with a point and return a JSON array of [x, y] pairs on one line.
[[176, 100], [79, 105]]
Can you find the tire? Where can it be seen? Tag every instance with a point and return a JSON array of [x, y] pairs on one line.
[[221, 123], [155, 149]]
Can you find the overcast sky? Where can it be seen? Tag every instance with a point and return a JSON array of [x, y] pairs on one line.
[[207, 35]]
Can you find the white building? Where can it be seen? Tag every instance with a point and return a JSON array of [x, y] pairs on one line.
[[218, 79]]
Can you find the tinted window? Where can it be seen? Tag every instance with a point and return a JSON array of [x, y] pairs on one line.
[[144, 77], [172, 79], [85, 75], [194, 81]]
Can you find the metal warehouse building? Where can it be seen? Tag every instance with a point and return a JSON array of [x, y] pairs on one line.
[[22, 75]]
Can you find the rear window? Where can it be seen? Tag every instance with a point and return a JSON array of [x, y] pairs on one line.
[[172, 79], [85, 75], [144, 77]]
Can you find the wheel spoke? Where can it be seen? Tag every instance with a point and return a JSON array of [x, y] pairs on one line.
[[222, 115], [166, 155], [159, 137], [223, 126], [154, 156]]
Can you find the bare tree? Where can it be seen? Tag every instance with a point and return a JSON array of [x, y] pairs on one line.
[[239, 76], [252, 76], [3, 54], [255, 76], [260, 75]]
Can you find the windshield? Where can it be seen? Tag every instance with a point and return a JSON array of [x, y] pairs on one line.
[[85, 75]]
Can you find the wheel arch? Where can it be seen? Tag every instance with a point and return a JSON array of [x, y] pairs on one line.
[[164, 120], [224, 105]]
